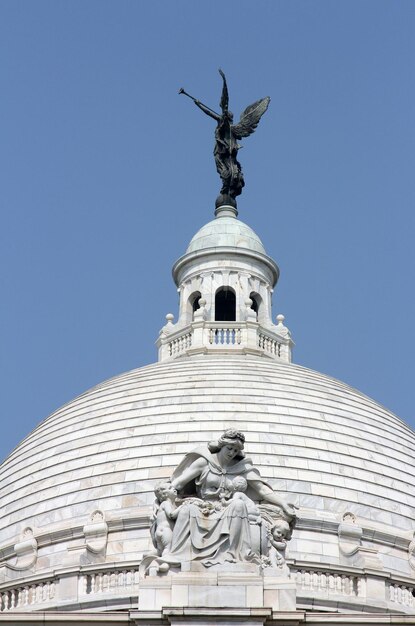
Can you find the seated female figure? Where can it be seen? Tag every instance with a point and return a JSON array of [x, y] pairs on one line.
[[212, 527]]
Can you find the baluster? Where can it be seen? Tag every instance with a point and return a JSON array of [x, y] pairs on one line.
[[307, 580], [399, 594], [338, 582], [123, 579], [356, 586]]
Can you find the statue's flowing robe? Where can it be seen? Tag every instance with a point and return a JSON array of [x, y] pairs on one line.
[[203, 533], [227, 164]]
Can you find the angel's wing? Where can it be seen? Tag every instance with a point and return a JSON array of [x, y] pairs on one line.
[[250, 118], [224, 101]]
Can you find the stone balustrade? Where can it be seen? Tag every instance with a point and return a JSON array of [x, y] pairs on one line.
[[109, 581], [330, 583], [350, 586], [211, 337], [27, 596], [118, 584], [402, 594]]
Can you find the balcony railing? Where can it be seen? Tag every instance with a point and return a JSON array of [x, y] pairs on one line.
[[245, 337], [115, 584]]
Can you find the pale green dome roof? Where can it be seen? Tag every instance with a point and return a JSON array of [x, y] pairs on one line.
[[225, 231]]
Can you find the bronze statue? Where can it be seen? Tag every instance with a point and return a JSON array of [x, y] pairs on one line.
[[227, 135]]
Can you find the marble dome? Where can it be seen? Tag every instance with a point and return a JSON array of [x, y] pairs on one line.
[[77, 494], [225, 231], [333, 450]]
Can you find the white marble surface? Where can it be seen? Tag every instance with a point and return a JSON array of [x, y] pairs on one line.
[[330, 448]]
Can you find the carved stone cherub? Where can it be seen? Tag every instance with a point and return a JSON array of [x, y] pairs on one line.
[[164, 514], [278, 536]]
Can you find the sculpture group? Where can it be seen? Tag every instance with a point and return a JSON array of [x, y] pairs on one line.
[[217, 509], [227, 136]]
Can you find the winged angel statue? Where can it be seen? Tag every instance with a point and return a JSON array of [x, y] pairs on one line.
[[227, 136]]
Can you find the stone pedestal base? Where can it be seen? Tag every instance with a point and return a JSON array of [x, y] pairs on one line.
[[219, 589]]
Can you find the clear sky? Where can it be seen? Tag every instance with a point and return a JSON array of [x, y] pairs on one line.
[[107, 173]]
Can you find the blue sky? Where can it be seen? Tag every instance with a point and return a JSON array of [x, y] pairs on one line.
[[107, 173]]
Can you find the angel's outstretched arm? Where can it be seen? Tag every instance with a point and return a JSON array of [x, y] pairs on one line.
[[206, 110]]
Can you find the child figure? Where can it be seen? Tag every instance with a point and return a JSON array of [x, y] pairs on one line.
[[164, 514], [278, 536], [240, 485]]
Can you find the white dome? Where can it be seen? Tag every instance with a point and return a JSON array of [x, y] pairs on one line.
[[225, 231], [332, 449]]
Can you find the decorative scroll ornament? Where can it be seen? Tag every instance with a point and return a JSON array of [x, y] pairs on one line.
[[217, 509], [96, 533], [25, 551]]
